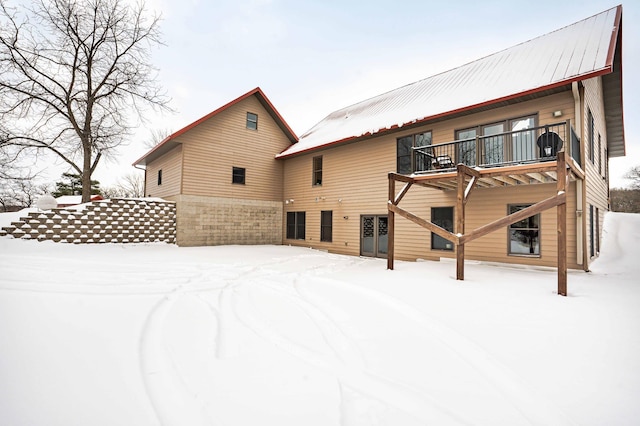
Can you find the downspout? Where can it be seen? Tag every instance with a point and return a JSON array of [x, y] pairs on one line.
[[145, 179], [580, 188]]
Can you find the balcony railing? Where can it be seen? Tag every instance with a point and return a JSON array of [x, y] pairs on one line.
[[530, 145]]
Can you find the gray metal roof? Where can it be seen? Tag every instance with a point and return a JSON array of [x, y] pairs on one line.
[[579, 51]]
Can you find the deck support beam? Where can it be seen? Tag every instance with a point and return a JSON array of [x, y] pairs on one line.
[[464, 189]]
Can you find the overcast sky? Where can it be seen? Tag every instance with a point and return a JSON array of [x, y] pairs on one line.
[[313, 57]]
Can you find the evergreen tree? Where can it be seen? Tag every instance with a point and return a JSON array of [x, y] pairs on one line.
[[72, 185]]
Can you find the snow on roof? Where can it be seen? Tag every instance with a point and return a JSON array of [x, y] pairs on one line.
[[581, 50]]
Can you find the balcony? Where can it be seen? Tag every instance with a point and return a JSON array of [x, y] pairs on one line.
[[523, 156], [516, 147]]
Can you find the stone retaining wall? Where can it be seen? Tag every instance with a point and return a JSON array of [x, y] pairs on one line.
[[108, 221]]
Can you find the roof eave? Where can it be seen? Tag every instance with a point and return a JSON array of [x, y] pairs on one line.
[[262, 98], [468, 108]]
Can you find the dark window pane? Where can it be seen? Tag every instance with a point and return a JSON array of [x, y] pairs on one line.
[[238, 175], [291, 225], [317, 170], [252, 121], [326, 226], [443, 217], [300, 225]]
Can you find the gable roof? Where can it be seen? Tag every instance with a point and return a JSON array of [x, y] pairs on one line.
[[171, 141], [579, 51]]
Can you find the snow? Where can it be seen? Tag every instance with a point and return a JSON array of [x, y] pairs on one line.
[[151, 334], [573, 52]]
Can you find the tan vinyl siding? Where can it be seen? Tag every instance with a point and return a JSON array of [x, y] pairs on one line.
[[597, 187], [355, 183], [214, 147], [171, 166]]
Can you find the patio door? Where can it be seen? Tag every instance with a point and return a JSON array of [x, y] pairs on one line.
[[374, 235]]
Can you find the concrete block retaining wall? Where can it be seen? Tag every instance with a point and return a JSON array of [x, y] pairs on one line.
[[108, 221]]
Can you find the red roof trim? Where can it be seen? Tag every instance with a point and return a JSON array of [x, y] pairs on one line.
[[614, 36], [261, 96], [603, 71]]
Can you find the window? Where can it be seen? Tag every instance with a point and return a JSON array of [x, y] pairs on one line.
[[252, 121], [443, 217], [592, 247], [524, 236], [317, 170], [591, 130], [159, 177], [406, 162], [326, 225], [295, 225], [597, 231], [599, 154], [237, 175], [509, 140]]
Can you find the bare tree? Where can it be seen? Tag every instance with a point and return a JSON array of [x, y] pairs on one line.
[[634, 176], [157, 136], [129, 186], [72, 75]]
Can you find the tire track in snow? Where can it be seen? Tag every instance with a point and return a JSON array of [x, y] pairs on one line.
[[535, 409], [352, 373], [170, 397]]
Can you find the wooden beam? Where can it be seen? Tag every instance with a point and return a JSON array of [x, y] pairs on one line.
[[460, 204], [541, 206], [401, 178], [519, 169], [391, 221], [506, 179], [402, 193], [466, 170], [538, 176], [470, 186], [425, 224], [521, 179], [562, 226]]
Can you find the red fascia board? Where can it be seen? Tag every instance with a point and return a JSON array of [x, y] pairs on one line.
[[395, 127], [614, 36], [257, 91]]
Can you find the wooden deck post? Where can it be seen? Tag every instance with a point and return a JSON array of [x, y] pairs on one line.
[[391, 222], [562, 226], [460, 223]]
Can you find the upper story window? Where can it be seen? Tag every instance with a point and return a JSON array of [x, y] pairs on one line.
[[591, 135], [159, 177], [317, 170], [508, 140], [406, 162], [238, 175], [252, 121]]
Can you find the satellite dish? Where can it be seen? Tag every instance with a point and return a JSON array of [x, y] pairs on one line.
[[46, 202]]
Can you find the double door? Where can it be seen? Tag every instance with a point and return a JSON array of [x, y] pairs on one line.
[[374, 235]]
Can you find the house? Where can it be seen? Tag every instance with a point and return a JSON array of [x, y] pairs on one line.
[[519, 139], [222, 173], [508, 118]]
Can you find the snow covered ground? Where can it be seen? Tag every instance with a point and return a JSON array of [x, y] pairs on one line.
[[150, 334]]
